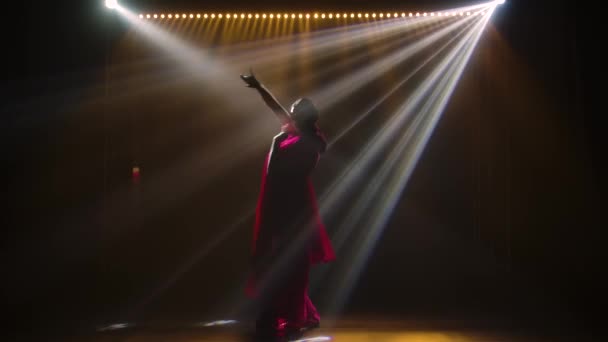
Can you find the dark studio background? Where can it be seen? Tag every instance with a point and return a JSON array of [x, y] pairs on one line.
[[518, 175]]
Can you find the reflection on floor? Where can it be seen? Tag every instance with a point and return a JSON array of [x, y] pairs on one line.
[[352, 329]]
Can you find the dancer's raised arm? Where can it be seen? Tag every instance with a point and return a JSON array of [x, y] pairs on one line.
[[271, 101]]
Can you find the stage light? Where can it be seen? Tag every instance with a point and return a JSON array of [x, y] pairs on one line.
[[176, 16], [212, 15], [228, 16], [373, 15], [264, 16], [293, 15], [352, 15], [381, 15], [307, 16], [468, 13], [359, 15], [323, 16], [162, 16], [191, 15], [461, 14], [417, 14], [257, 16], [271, 15], [111, 4], [411, 14], [367, 15], [331, 16], [155, 16], [300, 15], [249, 16], [498, 2], [316, 16], [234, 16], [219, 15], [424, 15], [198, 15], [432, 14], [395, 14], [344, 15], [205, 16], [147, 16], [242, 16]]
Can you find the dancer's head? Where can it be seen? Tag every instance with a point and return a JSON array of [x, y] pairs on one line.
[[304, 114]]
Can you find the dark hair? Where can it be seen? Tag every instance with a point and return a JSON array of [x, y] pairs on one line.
[[305, 115]]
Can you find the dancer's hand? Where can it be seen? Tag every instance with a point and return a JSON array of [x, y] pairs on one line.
[[250, 80]]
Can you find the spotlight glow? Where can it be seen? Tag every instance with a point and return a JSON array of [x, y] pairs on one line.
[[155, 16], [141, 16], [111, 4], [205, 16], [499, 2], [293, 16], [147, 16], [191, 15], [162, 16]]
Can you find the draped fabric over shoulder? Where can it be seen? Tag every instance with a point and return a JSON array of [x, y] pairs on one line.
[[287, 223]]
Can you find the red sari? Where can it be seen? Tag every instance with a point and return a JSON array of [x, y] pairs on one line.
[[289, 235]]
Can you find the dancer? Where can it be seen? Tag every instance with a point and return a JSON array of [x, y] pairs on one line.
[[289, 235]]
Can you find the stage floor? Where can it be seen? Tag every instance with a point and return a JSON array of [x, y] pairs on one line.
[[357, 329]]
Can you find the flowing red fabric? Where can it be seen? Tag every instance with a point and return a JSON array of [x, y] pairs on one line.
[[287, 207]]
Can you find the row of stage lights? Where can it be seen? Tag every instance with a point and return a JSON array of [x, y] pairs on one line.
[[308, 15]]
